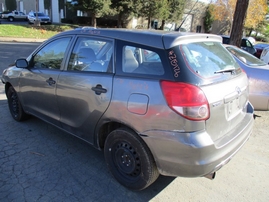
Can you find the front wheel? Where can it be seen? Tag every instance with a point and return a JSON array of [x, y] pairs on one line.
[[129, 159], [14, 105]]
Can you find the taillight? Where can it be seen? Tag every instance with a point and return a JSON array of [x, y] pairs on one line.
[[185, 99], [243, 70]]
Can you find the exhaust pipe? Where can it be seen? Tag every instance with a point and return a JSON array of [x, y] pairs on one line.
[[211, 176]]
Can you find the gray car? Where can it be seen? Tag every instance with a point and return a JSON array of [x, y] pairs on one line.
[[155, 102], [41, 17], [258, 74], [245, 44]]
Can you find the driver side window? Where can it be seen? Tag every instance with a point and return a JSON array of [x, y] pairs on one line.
[[51, 55]]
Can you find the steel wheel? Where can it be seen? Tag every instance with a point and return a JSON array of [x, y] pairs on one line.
[[129, 159]]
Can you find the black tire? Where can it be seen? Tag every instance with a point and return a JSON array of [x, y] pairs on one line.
[[129, 159], [11, 19], [14, 105]]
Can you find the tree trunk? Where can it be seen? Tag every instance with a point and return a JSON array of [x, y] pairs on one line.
[[162, 25], [93, 23], [238, 22], [149, 23], [119, 20], [250, 31]]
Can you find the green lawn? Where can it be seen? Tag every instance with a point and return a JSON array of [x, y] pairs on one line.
[[31, 31]]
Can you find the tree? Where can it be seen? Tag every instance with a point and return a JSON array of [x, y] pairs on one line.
[[208, 19], [172, 11], [238, 22], [223, 10], [176, 9], [11, 5], [162, 10], [122, 8], [148, 8], [93, 8], [255, 15]]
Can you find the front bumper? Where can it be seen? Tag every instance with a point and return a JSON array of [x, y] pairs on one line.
[[194, 154]]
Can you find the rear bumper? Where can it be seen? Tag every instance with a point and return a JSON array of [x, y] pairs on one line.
[[195, 154]]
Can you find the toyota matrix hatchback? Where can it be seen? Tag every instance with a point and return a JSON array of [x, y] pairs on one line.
[[155, 102]]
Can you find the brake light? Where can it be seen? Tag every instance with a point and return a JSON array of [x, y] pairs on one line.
[[187, 100]]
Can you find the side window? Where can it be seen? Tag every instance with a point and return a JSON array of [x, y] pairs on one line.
[[141, 61], [248, 44], [90, 54], [51, 55], [243, 43]]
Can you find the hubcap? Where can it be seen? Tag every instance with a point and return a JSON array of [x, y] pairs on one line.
[[127, 159]]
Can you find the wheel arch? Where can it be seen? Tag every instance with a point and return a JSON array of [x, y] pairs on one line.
[[106, 129], [7, 86]]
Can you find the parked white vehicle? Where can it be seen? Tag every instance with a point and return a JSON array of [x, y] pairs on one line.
[[14, 15], [42, 17], [265, 55]]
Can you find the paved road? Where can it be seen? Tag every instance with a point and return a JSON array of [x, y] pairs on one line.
[[16, 22], [38, 162]]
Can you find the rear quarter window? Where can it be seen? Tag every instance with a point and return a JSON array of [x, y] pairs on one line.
[[137, 60]]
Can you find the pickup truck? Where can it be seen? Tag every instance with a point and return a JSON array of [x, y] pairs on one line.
[[14, 15]]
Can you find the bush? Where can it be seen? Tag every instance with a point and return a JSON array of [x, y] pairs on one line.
[[67, 21], [262, 38], [82, 20]]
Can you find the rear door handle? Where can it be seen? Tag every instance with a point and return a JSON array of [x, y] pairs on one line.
[[99, 89]]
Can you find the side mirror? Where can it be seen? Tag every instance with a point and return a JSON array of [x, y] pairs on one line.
[[21, 63]]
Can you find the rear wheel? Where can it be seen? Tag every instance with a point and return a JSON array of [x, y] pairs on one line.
[[130, 160], [14, 105], [11, 19]]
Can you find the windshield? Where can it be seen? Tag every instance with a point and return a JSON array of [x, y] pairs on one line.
[[207, 58], [245, 57], [39, 14]]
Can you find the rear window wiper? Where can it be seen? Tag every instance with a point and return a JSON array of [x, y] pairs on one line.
[[231, 70]]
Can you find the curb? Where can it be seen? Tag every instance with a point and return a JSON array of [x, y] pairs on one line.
[[13, 39]]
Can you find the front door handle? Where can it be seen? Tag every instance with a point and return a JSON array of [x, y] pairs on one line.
[[99, 89], [50, 81]]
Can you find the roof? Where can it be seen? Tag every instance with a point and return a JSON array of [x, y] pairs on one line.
[[153, 38]]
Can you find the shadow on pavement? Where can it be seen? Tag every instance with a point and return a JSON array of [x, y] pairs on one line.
[[42, 163]]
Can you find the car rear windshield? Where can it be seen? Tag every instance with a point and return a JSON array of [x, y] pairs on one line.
[[206, 59]]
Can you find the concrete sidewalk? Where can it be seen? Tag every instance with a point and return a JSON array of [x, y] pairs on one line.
[[16, 39]]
